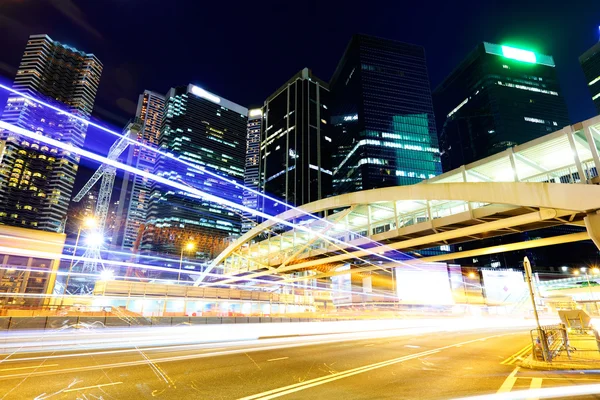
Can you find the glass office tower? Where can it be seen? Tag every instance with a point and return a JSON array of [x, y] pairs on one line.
[[206, 131], [498, 97], [252, 168], [135, 189], [590, 63], [382, 116], [294, 160], [36, 180]]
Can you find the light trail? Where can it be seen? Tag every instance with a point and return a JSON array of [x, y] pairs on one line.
[[185, 188], [32, 253], [196, 168], [109, 341]]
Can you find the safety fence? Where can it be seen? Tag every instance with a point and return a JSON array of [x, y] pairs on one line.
[[557, 343], [78, 322]]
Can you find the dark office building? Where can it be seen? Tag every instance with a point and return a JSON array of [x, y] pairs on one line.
[[498, 97], [294, 165], [382, 116], [209, 132], [36, 180], [590, 63]]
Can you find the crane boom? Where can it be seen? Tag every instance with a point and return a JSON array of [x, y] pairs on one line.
[[118, 147]]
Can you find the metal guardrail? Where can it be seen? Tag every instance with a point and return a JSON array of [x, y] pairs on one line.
[[565, 345], [152, 290], [83, 322]]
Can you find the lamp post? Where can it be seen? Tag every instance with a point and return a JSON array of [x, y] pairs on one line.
[[188, 246], [541, 333], [592, 297], [88, 223]]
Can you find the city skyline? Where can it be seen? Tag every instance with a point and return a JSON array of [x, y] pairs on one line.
[[255, 81]]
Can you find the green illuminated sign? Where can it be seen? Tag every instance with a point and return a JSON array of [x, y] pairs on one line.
[[519, 54]]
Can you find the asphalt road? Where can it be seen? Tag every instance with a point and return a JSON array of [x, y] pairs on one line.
[[396, 365]]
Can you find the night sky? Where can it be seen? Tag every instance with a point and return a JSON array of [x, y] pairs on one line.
[[244, 51]]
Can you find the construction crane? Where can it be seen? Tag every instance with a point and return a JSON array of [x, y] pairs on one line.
[[107, 173]]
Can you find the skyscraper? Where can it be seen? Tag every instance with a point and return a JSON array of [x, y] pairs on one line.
[[294, 165], [498, 97], [590, 63], [382, 116], [252, 168], [206, 131], [135, 190], [36, 180]]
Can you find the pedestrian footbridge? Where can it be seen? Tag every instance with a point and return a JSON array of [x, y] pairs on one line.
[[550, 181]]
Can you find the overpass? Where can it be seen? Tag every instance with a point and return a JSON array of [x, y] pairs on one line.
[[550, 181]]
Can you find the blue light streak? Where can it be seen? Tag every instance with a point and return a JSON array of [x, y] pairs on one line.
[[186, 188]]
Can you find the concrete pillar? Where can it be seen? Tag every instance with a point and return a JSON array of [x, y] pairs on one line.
[[592, 224], [513, 163], [592, 145], [582, 177]]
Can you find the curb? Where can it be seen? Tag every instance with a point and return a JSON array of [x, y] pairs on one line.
[[530, 363]]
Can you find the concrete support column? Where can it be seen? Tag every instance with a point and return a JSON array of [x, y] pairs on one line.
[[396, 219], [513, 163], [592, 225], [582, 177], [592, 145], [369, 231]]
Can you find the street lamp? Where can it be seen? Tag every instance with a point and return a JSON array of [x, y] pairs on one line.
[[575, 272], [592, 297], [595, 270], [87, 223], [189, 246], [107, 275]]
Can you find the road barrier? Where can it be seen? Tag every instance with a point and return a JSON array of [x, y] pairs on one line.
[[51, 322]]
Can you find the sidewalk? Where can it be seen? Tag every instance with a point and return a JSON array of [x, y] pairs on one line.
[[584, 354]]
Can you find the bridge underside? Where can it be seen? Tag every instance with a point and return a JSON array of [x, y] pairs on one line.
[[376, 229]]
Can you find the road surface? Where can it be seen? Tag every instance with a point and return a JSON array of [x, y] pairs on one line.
[[403, 363]]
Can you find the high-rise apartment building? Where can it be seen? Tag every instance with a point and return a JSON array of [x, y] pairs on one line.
[[135, 191], [294, 163], [206, 132], [36, 180], [252, 168], [590, 63], [498, 97], [382, 116]]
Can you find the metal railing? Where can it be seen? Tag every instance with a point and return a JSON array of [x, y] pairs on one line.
[[564, 344]]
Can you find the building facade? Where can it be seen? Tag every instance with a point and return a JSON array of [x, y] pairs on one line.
[[498, 97], [590, 63], [26, 278], [252, 168], [294, 164], [206, 132], [135, 190], [382, 117], [36, 180]]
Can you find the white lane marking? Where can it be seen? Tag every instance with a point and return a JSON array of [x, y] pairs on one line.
[[563, 392], [277, 359], [369, 345], [536, 383], [509, 382], [92, 387], [282, 391], [36, 366], [412, 346], [199, 355]]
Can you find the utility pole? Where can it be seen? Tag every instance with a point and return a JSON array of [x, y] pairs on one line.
[[541, 333]]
